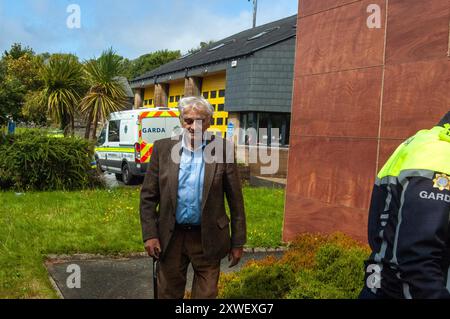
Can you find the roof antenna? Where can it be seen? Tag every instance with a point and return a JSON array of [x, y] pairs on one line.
[[255, 8]]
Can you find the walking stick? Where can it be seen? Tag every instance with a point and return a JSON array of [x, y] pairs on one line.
[[155, 278]]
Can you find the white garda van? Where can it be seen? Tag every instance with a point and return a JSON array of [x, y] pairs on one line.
[[126, 141]]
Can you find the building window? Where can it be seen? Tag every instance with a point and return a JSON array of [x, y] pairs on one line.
[[113, 131], [221, 93], [264, 126], [150, 102], [177, 98], [220, 107], [219, 121], [247, 121], [211, 122], [206, 95], [214, 106], [171, 99], [263, 33], [213, 94], [216, 47], [145, 102], [272, 128]]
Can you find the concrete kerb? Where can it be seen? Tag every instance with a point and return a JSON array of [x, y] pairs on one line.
[[55, 287], [54, 258], [56, 266], [53, 262]]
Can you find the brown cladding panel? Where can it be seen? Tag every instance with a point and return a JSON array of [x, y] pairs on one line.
[[339, 39], [308, 7], [417, 30], [330, 179], [416, 96], [305, 215], [338, 104], [338, 171], [329, 186]]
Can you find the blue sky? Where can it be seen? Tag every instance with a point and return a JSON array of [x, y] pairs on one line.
[[131, 27]]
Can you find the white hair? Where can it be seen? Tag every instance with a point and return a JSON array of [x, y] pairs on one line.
[[198, 103]]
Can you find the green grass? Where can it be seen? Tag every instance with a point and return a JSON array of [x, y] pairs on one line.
[[264, 210], [36, 224]]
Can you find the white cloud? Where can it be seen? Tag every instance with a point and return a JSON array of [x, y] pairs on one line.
[[134, 29], [144, 37], [185, 28]]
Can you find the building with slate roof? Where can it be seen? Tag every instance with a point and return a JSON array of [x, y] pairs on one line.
[[247, 77]]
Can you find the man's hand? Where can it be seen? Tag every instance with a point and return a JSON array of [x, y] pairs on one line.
[[235, 256], [153, 247]]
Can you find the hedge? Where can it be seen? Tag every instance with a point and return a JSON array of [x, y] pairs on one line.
[[33, 160], [314, 267]]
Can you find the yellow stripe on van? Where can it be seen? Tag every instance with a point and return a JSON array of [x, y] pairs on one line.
[[115, 149]]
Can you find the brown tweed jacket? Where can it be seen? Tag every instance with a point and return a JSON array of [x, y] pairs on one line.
[[159, 199]]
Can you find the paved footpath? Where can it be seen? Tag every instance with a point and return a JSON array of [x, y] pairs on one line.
[[118, 278]]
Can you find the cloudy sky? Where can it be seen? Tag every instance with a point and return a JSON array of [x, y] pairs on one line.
[[131, 27]]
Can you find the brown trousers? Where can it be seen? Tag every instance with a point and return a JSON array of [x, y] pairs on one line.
[[185, 248]]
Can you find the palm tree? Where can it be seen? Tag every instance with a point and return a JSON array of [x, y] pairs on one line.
[[63, 86], [106, 94]]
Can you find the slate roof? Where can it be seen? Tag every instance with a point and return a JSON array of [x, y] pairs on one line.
[[126, 86], [237, 45]]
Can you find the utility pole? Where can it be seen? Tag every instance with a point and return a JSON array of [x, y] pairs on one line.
[[255, 8]]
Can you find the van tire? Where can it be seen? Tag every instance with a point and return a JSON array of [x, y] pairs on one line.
[[118, 177], [98, 166], [127, 176]]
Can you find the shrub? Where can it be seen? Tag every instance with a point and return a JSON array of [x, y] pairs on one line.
[[308, 287], [338, 272], [35, 161], [314, 267], [341, 267], [259, 282]]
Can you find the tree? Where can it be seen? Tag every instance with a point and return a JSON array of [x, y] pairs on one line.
[[151, 61], [63, 87], [19, 74], [202, 45], [106, 94], [34, 108], [17, 51]]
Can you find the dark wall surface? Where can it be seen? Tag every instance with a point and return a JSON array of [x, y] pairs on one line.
[[262, 82], [358, 93]]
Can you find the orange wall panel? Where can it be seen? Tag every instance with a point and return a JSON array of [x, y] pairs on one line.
[[339, 39], [358, 93]]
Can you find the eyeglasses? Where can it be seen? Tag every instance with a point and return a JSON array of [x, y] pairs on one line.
[[190, 121]]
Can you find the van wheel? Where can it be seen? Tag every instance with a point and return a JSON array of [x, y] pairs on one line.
[[127, 176], [98, 166]]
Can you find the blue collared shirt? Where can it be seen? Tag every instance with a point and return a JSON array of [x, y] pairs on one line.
[[190, 185]]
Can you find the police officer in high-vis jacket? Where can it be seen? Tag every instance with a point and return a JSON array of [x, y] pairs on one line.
[[409, 220]]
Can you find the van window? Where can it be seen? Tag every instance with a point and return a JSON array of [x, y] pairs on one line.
[[102, 137], [113, 132]]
